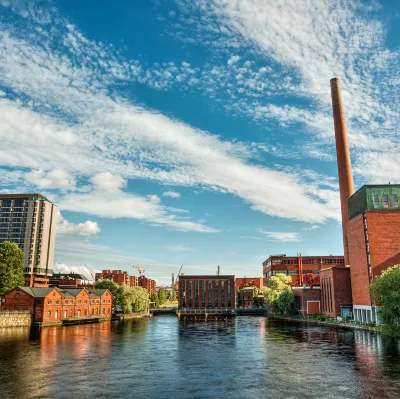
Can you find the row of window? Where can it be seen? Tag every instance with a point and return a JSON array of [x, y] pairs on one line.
[[305, 261], [78, 313], [289, 272], [385, 201], [205, 293], [70, 301]]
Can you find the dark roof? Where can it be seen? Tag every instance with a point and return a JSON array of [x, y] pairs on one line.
[[71, 291], [69, 276], [37, 292], [23, 196], [99, 292]]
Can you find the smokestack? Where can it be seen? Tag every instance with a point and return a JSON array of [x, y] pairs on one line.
[[218, 270], [346, 183], [173, 280]]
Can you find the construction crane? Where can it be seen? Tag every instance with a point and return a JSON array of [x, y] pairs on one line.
[[177, 278]]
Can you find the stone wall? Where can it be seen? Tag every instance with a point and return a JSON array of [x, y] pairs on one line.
[[15, 319]]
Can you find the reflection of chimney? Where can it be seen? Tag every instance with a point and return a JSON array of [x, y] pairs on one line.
[[218, 270], [346, 183]]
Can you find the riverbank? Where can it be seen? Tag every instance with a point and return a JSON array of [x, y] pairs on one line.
[[327, 323], [135, 315]]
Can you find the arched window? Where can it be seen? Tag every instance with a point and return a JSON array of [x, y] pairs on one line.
[[56, 314], [85, 312], [49, 314]]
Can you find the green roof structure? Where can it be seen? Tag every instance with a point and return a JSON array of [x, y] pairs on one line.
[[374, 197]]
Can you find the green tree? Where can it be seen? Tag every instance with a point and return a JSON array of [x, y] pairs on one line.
[[285, 302], [11, 267], [113, 288], [154, 298], [162, 296], [140, 299], [277, 285], [386, 292]]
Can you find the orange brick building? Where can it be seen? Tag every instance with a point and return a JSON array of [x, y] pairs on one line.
[[304, 270], [372, 230], [118, 276], [53, 305], [148, 284]]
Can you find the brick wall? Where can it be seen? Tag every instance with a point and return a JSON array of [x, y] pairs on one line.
[[358, 261], [383, 230], [336, 287], [256, 281]]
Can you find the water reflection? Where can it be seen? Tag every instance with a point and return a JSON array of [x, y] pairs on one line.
[[244, 357]]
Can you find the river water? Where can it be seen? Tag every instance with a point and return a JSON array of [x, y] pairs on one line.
[[162, 357]]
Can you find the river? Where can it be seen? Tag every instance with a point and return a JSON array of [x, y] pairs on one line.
[[162, 357]]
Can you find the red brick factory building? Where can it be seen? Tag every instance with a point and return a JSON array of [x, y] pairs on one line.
[[370, 223], [207, 291]]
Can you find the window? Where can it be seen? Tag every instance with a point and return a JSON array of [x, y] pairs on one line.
[[79, 313], [385, 201], [292, 272], [376, 201], [56, 314], [49, 314], [92, 312], [395, 201], [70, 313], [104, 311], [108, 311], [85, 312]]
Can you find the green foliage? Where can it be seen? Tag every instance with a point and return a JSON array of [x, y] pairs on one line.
[[172, 297], [386, 292], [162, 296], [133, 299], [279, 295], [11, 267], [113, 288], [154, 298], [285, 302]]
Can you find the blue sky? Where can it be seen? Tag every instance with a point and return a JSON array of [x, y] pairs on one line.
[[194, 132]]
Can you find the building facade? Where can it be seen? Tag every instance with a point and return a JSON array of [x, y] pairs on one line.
[[29, 220], [53, 305], [307, 300], [148, 284], [207, 292], [304, 270], [336, 297], [242, 282], [372, 230]]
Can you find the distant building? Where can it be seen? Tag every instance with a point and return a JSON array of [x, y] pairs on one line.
[[119, 277], [68, 280], [249, 281], [249, 297], [304, 270], [53, 305], [148, 284], [336, 297], [374, 245], [29, 220], [207, 291]]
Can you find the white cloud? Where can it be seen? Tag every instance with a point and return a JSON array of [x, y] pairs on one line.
[[233, 60], [87, 228], [89, 273], [154, 199], [118, 204], [56, 178], [282, 236], [125, 141], [171, 194], [108, 182]]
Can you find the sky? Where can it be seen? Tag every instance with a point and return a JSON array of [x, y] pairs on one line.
[[194, 132]]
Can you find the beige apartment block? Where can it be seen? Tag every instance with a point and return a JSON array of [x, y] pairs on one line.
[[29, 220]]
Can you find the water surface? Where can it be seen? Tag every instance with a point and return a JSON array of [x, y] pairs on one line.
[[243, 357]]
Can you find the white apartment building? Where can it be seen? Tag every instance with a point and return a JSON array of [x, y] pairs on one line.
[[29, 220]]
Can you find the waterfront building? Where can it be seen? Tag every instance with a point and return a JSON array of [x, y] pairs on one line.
[[54, 306], [307, 300], [214, 291], [249, 297], [29, 220], [249, 282], [119, 277], [304, 270], [374, 222], [336, 295]]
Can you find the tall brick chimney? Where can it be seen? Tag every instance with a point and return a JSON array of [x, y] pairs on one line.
[[346, 183]]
